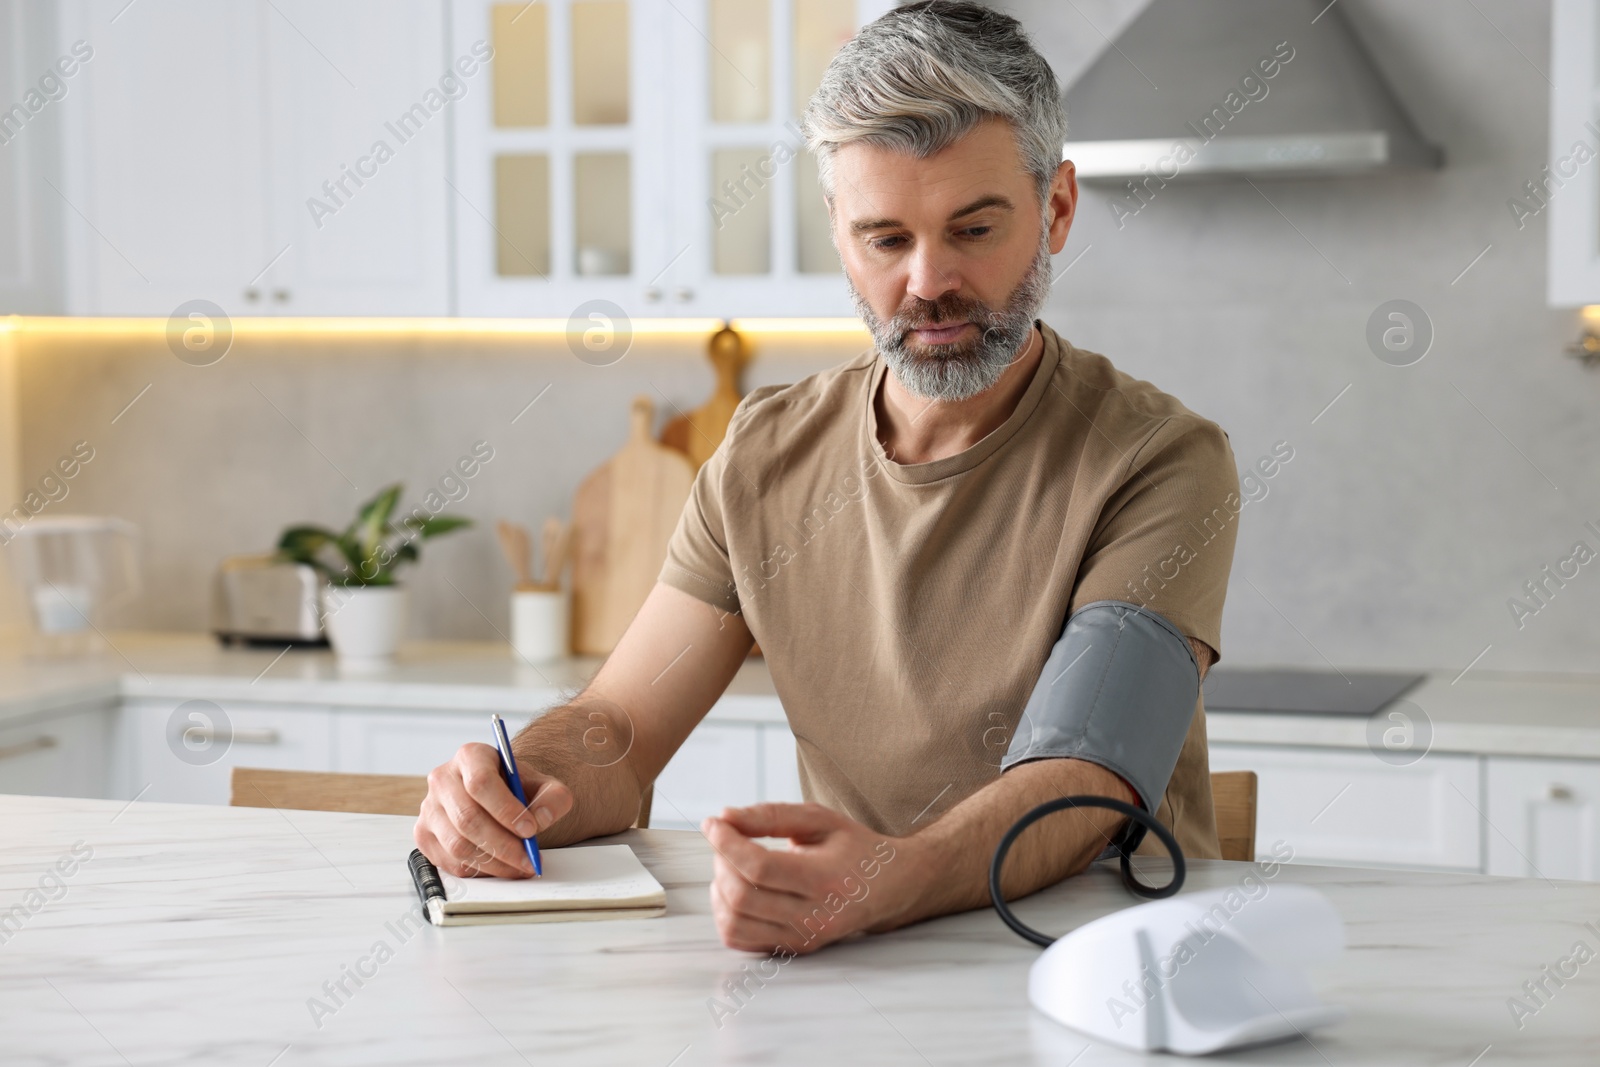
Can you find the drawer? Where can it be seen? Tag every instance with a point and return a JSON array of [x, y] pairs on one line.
[[1544, 818], [185, 750], [717, 767], [395, 742], [780, 767], [1349, 807], [63, 755]]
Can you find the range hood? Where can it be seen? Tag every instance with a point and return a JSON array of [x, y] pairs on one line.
[[1253, 88]]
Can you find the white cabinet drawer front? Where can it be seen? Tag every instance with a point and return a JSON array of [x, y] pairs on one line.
[[717, 767], [184, 751], [388, 742], [780, 768], [63, 756], [1348, 807], [1544, 818]]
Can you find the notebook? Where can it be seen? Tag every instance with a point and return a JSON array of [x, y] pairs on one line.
[[585, 883]]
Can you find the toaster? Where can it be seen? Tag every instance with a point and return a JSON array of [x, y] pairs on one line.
[[265, 599]]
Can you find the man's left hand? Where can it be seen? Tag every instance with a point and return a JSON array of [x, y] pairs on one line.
[[837, 877]]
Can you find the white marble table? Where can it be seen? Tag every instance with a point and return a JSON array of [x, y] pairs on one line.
[[200, 935]]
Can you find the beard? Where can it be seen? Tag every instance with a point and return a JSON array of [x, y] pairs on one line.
[[959, 370]]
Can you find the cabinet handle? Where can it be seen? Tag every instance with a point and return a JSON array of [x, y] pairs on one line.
[[252, 295], [38, 744], [1560, 792], [685, 295], [280, 295], [652, 294], [205, 735]]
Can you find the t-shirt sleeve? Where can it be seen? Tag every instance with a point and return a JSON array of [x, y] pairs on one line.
[[697, 555], [1165, 537]]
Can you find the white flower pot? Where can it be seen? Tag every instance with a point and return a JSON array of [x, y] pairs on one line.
[[365, 622]]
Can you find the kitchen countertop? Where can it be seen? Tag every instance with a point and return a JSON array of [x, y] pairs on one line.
[[1486, 712], [441, 675], [1495, 713], [208, 935]]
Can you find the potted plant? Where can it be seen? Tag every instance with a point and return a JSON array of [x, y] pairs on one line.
[[363, 607]]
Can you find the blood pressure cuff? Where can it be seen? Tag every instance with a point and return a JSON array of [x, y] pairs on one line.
[[1119, 689]]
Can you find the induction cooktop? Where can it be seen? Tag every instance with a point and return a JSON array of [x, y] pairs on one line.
[[1306, 692]]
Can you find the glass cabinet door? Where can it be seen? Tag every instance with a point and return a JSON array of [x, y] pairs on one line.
[[1574, 220], [750, 226], [556, 141], [646, 152]]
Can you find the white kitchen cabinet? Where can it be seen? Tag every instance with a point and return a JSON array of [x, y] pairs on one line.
[[165, 166], [646, 155], [67, 753], [184, 751], [358, 133], [750, 227], [384, 741], [200, 138], [1349, 807], [717, 767], [561, 189], [780, 770], [1543, 818], [30, 211], [722, 764], [1572, 225]]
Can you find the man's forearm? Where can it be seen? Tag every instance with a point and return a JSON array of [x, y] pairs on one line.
[[587, 747], [952, 855]]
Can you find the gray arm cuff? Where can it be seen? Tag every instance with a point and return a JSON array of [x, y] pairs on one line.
[[1119, 690]]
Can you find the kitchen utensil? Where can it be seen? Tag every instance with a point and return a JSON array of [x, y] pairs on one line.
[[541, 624], [594, 261], [698, 433], [516, 546], [73, 569], [265, 600], [556, 537], [622, 518]]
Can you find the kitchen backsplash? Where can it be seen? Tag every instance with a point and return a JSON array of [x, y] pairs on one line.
[[216, 460]]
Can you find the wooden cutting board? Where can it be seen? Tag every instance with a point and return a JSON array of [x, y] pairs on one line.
[[698, 433], [622, 518]]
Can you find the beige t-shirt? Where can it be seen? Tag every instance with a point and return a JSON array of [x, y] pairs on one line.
[[906, 611]]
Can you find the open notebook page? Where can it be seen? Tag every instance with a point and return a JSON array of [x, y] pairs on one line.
[[595, 877]]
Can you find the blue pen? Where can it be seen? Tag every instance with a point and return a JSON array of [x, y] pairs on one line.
[[508, 771]]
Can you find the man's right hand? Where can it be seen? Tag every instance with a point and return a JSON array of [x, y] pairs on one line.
[[471, 824]]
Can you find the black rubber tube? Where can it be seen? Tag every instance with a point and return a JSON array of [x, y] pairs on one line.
[[1138, 815]]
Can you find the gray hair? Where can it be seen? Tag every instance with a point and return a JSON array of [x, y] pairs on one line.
[[922, 76]]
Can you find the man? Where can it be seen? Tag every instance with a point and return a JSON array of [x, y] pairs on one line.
[[986, 569]]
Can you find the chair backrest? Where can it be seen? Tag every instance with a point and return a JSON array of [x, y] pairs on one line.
[[377, 794], [643, 822], [1233, 798]]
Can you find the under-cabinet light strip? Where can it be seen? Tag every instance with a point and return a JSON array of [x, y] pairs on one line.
[[431, 326]]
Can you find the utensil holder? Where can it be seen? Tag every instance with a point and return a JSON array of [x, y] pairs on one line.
[[540, 624]]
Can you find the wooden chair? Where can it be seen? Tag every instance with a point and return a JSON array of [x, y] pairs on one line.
[[377, 794], [1233, 798]]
